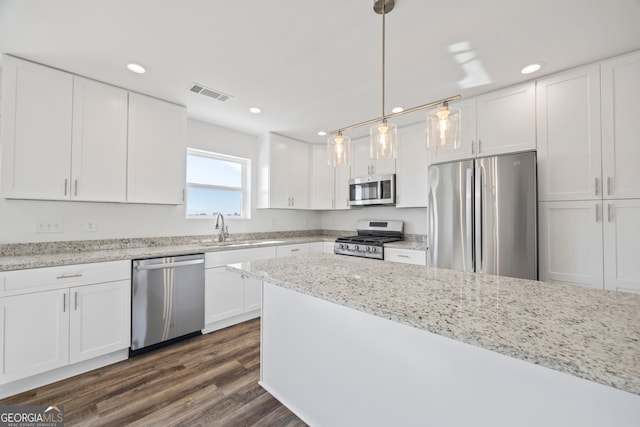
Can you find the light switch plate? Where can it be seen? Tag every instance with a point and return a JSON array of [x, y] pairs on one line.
[[49, 225]]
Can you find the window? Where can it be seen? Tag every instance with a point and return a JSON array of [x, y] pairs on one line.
[[217, 183]]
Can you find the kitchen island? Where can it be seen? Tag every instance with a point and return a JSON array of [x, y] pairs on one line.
[[350, 341]]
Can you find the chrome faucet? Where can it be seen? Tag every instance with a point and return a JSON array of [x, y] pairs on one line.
[[222, 236]]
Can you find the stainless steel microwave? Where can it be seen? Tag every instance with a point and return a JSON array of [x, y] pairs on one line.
[[372, 190]]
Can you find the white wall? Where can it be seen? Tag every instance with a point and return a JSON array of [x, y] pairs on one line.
[[415, 219], [114, 221]]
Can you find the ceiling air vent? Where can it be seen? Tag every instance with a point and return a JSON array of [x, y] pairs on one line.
[[211, 93]]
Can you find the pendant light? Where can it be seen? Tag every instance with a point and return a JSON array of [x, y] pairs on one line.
[[338, 148], [443, 128], [383, 137]]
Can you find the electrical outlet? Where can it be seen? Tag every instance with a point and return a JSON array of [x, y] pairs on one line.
[[48, 225], [91, 225]]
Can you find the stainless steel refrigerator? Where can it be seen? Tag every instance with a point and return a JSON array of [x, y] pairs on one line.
[[482, 215]]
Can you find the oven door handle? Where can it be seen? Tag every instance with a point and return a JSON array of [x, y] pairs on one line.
[[169, 265]]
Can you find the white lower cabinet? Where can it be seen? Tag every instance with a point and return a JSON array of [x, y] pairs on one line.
[[295, 249], [100, 319], [621, 222], [231, 297], [56, 317], [591, 243], [570, 236], [405, 256], [35, 333]]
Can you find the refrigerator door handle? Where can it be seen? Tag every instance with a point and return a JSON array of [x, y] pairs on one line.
[[478, 208], [470, 258]]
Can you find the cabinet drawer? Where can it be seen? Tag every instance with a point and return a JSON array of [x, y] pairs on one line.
[[288, 250], [38, 279], [405, 256], [217, 259]]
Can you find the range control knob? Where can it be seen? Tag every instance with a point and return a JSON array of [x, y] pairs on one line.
[[356, 247], [368, 249]]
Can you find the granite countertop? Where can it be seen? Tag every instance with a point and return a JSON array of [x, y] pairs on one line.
[[21, 262], [588, 333]]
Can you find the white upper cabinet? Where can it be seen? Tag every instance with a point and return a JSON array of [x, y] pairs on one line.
[[569, 156], [412, 167], [363, 165], [329, 186], [468, 137], [621, 127], [99, 142], [36, 131], [283, 173], [322, 180], [157, 151], [506, 120]]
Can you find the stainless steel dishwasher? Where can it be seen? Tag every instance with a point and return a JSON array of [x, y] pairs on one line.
[[167, 300]]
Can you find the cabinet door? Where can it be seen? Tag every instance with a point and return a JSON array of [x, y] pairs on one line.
[[568, 113], [621, 127], [99, 142], [224, 294], [468, 137], [36, 131], [252, 294], [341, 198], [571, 242], [295, 249], [622, 245], [34, 331], [279, 159], [506, 120], [299, 174], [100, 319], [322, 179], [361, 164], [157, 151], [412, 163]]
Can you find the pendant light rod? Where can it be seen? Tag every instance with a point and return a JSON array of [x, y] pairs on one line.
[[401, 113], [383, 57]]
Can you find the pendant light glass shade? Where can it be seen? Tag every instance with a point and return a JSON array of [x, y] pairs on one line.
[[338, 148], [443, 128], [384, 141]]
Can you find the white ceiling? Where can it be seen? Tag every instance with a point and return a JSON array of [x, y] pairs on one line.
[[314, 65]]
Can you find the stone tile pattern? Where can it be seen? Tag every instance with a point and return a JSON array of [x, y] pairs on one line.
[[592, 334]]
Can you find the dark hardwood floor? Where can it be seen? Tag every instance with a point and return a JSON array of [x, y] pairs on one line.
[[210, 380]]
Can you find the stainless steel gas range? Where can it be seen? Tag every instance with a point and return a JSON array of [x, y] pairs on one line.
[[370, 240]]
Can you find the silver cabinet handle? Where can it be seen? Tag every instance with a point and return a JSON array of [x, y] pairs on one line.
[[597, 185], [64, 302], [75, 301], [69, 276], [402, 256], [608, 186], [473, 149], [293, 202], [479, 145], [65, 186], [75, 192], [295, 250], [597, 212]]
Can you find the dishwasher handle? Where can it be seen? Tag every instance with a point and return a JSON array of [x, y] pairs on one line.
[[169, 265]]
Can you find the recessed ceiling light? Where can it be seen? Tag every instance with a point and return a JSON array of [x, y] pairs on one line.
[[322, 133], [397, 110], [531, 68], [255, 110], [136, 68]]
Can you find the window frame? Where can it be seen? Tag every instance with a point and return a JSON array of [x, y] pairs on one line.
[[245, 189]]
